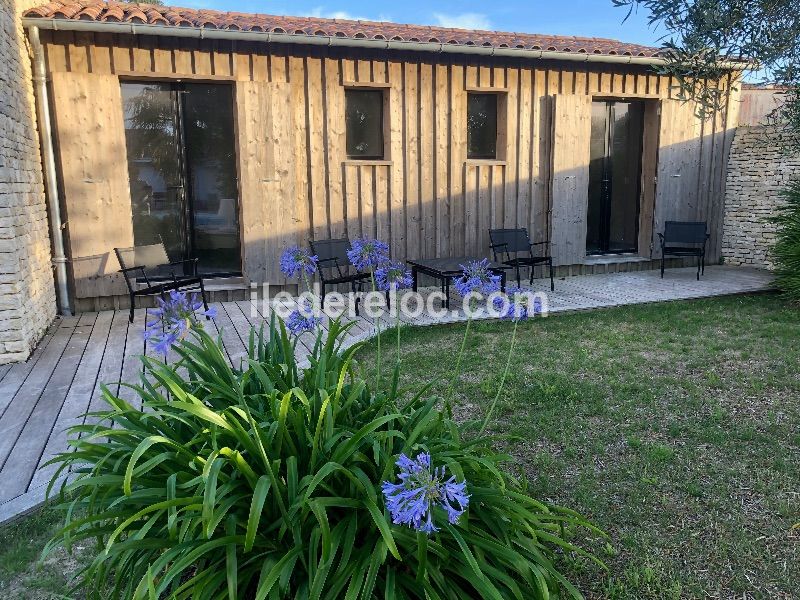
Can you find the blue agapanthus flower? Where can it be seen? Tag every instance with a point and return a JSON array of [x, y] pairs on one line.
[[518, 305], [393, 274], [367, 254], [476, 277], [296, 260], [302, 320], [421, 489], [175, 317]]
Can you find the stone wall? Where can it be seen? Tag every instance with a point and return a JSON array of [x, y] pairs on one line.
[[27, 292], [757, 172]]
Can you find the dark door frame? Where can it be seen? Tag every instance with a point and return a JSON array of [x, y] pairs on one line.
[[178, 89], [607, 182]]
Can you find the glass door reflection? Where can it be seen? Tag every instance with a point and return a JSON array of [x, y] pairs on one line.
[[614, 177], [181, 160]]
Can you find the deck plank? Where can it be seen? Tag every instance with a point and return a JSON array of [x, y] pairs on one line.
[[17, 472], [24, 401], [21, 447], [19, 372], [231, 339], [76, 402], [131, 363], [111, 365]]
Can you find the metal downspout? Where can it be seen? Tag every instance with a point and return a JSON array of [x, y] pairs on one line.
[[49, 167]]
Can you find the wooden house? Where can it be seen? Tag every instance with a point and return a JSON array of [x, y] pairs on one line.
[[229, 136]]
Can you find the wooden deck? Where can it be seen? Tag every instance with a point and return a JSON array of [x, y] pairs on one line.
[[60, 382]]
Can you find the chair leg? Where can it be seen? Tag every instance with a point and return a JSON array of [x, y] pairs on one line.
[[703, 263], [130, 317], [203, 297], [552, 279], [355, 295], [530, 280], [699, 261], [519, 282], [388, 307], [662, 265]]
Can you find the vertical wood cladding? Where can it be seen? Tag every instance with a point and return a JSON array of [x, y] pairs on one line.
[[425, 197]]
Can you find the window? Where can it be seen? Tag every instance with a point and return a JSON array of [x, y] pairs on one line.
[[364, 124], [482, 126]]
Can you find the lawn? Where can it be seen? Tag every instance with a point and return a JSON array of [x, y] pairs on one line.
[[673, 426]]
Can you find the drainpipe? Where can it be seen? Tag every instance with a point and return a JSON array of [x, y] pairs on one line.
[[49, 167]]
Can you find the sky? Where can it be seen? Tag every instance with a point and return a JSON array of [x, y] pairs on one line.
[[587, 18]]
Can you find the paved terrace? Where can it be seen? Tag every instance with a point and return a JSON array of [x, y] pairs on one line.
[[41, 397]]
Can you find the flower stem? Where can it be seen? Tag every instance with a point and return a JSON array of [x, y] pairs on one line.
[[378, 325], [457, 371], [502, 380]]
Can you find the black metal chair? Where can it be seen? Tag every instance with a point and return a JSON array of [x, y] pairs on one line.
[[151, 265], [509, 244], [332, 256], [685, 238]]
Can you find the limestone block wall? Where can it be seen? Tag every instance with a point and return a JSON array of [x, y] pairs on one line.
[[757, 172], [27, 292]]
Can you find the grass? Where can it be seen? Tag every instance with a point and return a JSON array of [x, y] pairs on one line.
[[22, 575], [675, 427]]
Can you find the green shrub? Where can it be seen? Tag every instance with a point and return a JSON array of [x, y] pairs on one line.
[[786, 251], [265, 483]]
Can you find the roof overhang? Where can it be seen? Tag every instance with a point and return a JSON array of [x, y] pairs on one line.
[[332, 41]]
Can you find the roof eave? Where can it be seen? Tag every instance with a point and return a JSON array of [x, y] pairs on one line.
[[325, 40]]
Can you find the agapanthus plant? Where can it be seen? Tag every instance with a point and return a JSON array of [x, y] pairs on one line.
[[175, 317], [477, 277], [518, 306], [301, 320], [368, 254], [296, 260], [422, 488], [393, 275]]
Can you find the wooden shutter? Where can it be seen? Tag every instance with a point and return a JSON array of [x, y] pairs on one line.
[[91, 143], [678, 167], [266, 177], [572, 124]]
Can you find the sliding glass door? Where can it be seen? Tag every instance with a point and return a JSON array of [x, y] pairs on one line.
[[614, 177], [182, 166]]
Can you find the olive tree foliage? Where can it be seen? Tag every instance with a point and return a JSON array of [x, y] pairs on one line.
[[704, 36]]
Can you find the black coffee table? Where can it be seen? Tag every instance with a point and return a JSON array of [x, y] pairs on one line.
[[444, 269]]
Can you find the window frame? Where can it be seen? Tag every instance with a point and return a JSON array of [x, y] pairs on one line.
[[485, 156], [384, 130], [501, 150]]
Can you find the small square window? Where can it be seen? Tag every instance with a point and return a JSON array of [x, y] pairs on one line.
[[364, 123], [482, 126]]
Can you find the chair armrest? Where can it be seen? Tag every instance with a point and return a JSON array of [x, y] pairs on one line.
[[126, 270], [187, 261], [545, 243], [494, 246]]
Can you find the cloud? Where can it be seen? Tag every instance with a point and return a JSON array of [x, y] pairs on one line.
[[464, 20], [321, 13]]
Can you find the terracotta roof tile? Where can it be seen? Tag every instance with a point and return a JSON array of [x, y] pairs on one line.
[[95, 10]]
